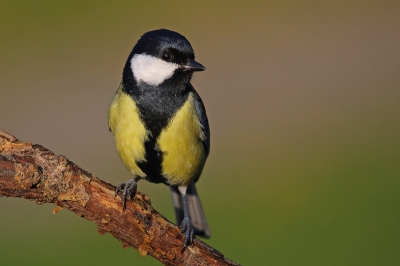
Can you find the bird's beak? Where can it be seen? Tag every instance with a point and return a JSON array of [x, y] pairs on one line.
[[193, 66]]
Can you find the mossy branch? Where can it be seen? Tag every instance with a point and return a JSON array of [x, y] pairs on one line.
[[33, 172]]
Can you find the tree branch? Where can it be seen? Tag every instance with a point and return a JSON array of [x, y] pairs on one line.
[[33, 172]]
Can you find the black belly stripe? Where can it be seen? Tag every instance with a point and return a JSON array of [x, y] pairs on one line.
[[157, 105]]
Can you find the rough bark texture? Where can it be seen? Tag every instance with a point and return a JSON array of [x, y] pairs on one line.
[[33, 172]]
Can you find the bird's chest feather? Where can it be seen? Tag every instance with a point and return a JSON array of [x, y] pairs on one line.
[[129, 132], [175, 149], [181, 146]]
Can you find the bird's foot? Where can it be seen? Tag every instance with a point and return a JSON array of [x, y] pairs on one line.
[[187, 228], [128, 191]]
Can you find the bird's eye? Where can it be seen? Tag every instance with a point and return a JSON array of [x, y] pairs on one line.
[[166, 56]]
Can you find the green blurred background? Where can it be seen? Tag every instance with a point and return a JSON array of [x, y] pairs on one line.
[[303, 99]]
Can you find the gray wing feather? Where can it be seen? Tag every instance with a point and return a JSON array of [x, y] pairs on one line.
[[201, 114]]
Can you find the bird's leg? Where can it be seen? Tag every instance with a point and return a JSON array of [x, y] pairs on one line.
[[128, 190], [186, 225]]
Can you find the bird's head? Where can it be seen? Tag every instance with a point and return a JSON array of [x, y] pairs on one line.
[[159, 57]]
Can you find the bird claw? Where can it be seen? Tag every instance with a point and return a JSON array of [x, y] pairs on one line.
[[187, 228], [128, 191]]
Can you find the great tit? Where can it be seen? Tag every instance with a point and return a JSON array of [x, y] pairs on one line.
[[160, 125]]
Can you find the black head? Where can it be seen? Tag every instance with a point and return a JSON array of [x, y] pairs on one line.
[[161, 41], [161, 56]]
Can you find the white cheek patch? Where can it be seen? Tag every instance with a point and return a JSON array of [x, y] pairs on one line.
[[151, 70]]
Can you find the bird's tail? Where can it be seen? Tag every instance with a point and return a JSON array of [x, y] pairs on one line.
[[196, 212]]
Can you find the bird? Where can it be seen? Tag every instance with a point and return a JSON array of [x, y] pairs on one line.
[[160, 126]]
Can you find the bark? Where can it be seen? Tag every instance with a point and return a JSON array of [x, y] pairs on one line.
[[33, 172]]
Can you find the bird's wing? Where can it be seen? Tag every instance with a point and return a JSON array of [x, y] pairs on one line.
[[201, 114]]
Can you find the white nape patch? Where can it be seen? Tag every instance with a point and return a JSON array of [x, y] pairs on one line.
[[151, 70]]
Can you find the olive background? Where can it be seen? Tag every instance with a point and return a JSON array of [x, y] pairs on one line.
[[303, 99]]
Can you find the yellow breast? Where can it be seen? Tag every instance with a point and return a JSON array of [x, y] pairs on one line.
[[129, 131], [183, 152]]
